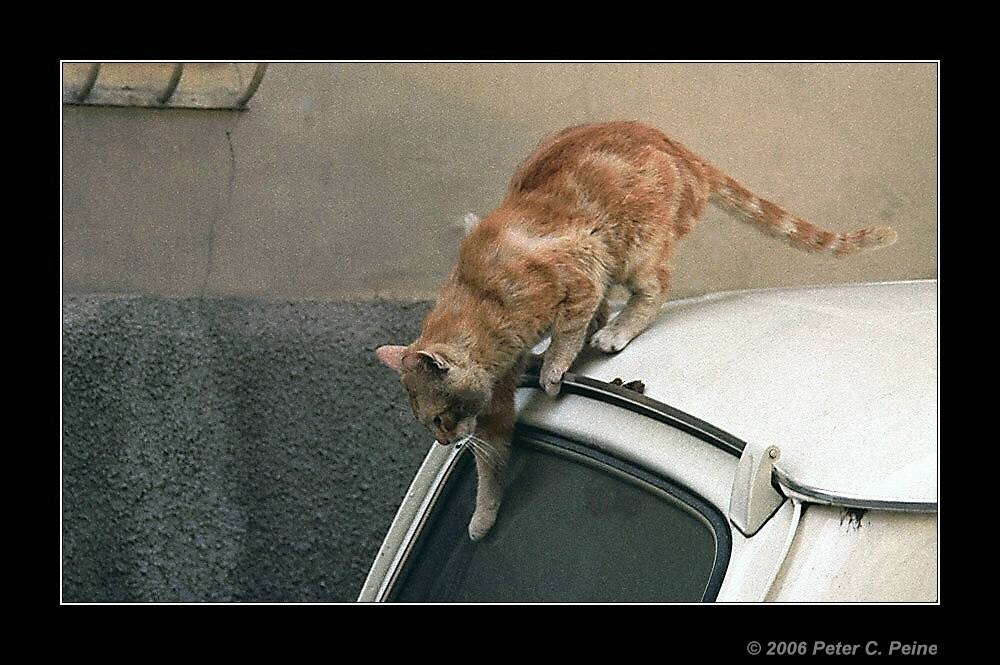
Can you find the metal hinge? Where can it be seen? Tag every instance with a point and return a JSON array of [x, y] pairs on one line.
[[754, 498]]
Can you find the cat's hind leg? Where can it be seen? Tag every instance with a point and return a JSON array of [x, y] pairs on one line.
[[600, 318], [649, 285]]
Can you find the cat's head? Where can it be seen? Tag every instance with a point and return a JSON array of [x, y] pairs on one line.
[[447, 391]]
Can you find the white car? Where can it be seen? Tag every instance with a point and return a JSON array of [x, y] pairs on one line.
[[784, 449]]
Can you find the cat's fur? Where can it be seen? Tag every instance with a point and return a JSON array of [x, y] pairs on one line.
[[592, 206]]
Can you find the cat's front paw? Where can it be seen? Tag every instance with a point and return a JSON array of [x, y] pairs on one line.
[[609, 340], [481, 524], [550, 379]]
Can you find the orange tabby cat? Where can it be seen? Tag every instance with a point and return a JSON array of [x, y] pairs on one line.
[[592, 206]]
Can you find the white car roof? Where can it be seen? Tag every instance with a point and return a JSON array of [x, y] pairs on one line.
[[843, 379]]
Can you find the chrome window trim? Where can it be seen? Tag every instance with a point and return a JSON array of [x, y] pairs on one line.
[[417, 523], [585, 386], [816, 495]]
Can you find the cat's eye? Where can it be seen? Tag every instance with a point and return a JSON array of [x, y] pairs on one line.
[[437, 421]]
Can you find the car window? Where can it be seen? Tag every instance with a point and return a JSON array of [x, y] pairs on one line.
[[575, 526]]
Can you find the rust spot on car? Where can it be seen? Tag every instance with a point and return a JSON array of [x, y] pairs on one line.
[[637, 386], [853, 517]]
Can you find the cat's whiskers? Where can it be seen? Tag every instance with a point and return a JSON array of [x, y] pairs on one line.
[[480, 449], [489, 452], [465, 441], [476, 445]]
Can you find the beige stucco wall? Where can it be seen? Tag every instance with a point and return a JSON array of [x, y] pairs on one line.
[[350, 180]]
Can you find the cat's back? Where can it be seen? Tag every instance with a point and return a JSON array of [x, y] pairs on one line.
[[505, 235], [566, 150]]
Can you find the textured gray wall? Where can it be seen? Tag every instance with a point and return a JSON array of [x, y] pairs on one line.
[[228, 450]]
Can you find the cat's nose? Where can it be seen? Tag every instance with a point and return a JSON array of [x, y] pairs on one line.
[[443, 439]]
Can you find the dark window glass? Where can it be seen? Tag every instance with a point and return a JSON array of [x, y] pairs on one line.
[[575, 526]]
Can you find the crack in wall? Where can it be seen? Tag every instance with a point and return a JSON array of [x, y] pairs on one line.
[[226, 207]]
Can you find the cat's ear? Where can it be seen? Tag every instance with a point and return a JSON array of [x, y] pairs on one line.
[[469, 222], [391, 355], [428, 359]]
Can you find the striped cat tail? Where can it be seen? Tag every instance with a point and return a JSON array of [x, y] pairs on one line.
[[775, 221]]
